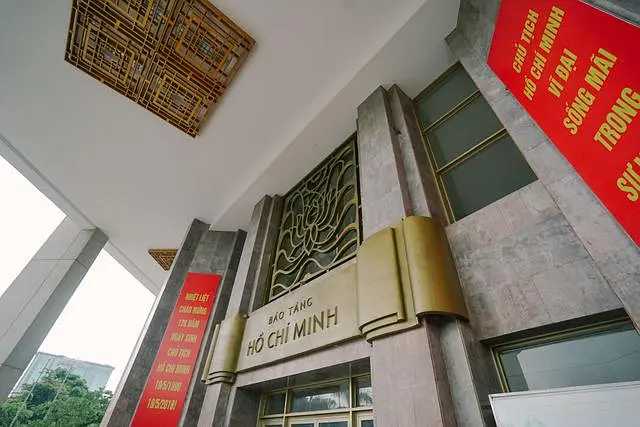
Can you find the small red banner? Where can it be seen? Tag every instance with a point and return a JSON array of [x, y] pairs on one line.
[[576, 70], [168, 382]]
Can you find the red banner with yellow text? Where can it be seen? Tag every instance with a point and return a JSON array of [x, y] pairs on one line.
[[576, 70], [164, 394]]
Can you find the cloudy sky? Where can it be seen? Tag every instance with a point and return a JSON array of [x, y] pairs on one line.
[[102, 321]]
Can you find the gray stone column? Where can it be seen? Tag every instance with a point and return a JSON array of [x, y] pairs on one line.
[[407, 367], [225, 404], [218, 252], [421, 188], [202, 250], [384, 194], [470, 373], [35, 299]]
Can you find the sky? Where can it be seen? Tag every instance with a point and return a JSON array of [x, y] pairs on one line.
[[103, 319]]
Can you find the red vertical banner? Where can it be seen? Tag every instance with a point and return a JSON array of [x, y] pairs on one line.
[[576, 70], [165, 391]]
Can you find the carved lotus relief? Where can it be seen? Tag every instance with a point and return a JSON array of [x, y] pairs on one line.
[[320, 226]]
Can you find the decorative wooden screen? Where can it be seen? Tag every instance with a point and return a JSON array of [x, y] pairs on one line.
[[164, 257], [320, 226], [176, 58]]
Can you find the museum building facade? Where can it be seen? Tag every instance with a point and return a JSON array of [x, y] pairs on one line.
[[399, 283]]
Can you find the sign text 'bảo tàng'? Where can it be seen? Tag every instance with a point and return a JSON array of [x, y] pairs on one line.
[[318, 314]]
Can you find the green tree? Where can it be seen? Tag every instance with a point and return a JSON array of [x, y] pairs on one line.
[[59, 399]]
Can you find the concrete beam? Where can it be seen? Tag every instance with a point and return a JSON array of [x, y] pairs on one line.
[[35, 299]]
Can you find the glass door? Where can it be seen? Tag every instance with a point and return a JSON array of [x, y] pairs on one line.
[[341, 402], [319, 421], [364, 420]]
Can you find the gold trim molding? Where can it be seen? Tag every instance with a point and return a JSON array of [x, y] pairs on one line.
[[381, 302], [406, 271], [221, 363], [434, 278]]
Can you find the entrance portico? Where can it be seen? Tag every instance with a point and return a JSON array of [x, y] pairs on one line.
[[398, 242]]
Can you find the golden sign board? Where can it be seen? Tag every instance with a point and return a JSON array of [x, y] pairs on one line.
[[316, 315]]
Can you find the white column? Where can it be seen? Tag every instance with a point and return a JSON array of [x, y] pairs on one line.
[[35, 299]]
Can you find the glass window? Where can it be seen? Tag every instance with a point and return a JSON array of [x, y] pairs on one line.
[[475, 160], [321, 398], [605, 354], [274, 404], [470, 185], [334, 424], [366, 423], [444, 95], [363, 390], [472, 124]]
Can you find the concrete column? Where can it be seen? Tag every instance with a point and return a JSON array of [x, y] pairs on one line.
[[422, 191], [407, 367], [384, 193], [470, 373], [248, 293], [202, 250], [219, 252], [35, 299]]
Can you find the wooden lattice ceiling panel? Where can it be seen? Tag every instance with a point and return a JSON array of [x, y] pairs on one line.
[[176, 58], [164, 257]]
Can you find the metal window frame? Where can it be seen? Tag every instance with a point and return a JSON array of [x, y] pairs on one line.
[[549, 338], [351, 139], [351, 412], [440, 171]]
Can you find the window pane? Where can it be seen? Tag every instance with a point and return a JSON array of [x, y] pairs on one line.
[[600, 358], [464, 130], [456, 87], [334, 424], [366, 423], [321, 398], [364, 393], [491, 174], [274, 404], [302, 425]]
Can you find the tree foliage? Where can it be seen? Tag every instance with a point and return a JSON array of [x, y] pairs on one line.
[[59, 399]]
